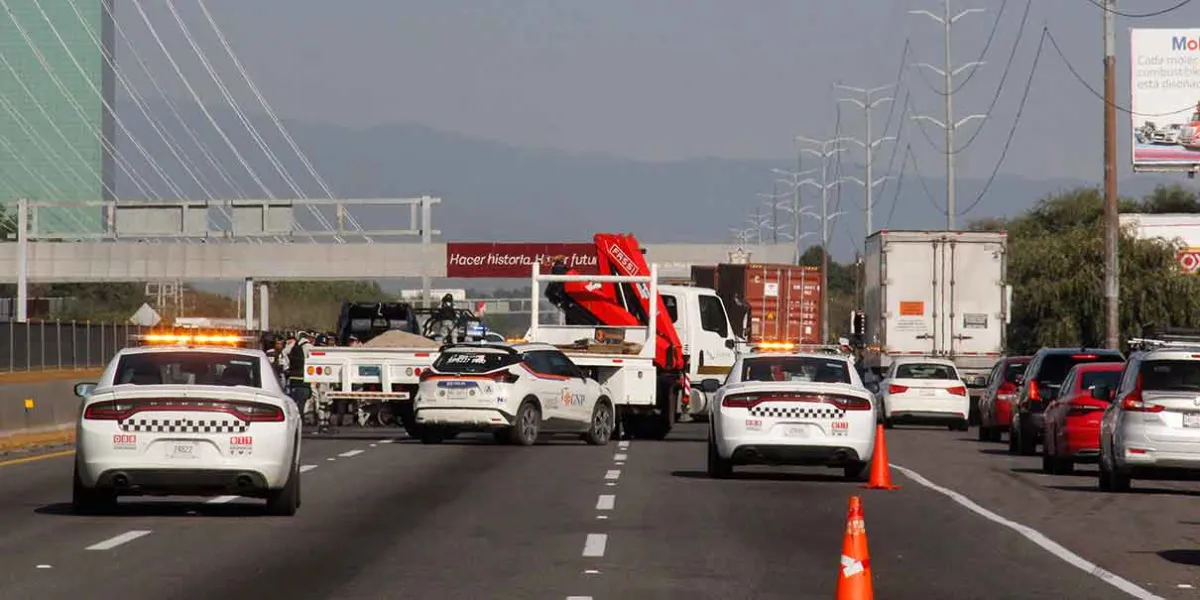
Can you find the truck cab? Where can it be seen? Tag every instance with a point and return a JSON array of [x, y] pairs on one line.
[[709, 344]]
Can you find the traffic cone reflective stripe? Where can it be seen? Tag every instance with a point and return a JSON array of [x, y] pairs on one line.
[[854, 576], [881, 472]]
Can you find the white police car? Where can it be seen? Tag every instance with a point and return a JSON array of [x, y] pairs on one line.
[[517, 392], [804, 409], [187, 414]]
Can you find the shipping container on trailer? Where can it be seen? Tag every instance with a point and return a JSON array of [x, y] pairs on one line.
[[937, 293], [704, 276], [772, 302]]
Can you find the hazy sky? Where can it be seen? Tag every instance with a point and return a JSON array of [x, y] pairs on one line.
[[669, 79]]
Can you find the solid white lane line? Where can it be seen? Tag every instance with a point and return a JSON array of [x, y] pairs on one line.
[[594, 546], [1036, 537], [613, 474], [351, 453], [606, 502], [579, 598], [222, 499], [307, 468], [620, 457], [113, 542]]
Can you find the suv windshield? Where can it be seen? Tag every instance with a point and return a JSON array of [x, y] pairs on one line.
[[795, 368], [1170, 375], [925, 371], [188, 368], [1054, 367], [474, 360]]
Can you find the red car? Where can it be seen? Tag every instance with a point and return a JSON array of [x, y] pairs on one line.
[[995, 407], [1072, 433]]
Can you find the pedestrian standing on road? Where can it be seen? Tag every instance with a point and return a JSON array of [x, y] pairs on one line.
[[298, 389]]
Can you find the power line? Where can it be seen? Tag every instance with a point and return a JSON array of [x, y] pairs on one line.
[[1082, 81], [1016, 120], [1138, 15]]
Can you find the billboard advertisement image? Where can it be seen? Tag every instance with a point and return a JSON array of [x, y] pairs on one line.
[[1165, 98]]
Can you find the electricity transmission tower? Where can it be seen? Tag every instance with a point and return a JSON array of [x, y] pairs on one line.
[[948, 72], [868, 145]]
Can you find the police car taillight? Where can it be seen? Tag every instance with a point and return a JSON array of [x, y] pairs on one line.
[[255, 412], [505, 377], [107, 411]]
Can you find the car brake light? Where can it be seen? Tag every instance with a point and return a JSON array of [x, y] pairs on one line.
[[258, 413], [1035, 395], [897, 389], [753, 399], [851, 403], [107, 411], [1133, 401], [1083, 356], [505, 377], [958, 390]]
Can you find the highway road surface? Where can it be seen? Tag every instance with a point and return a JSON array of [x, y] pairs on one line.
[[384, 517]]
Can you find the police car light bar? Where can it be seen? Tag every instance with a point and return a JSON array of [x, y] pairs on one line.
[[193, 339], [794, 347]]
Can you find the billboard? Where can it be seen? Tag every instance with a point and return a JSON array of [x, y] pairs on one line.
[[1165, 98], [515, 259]]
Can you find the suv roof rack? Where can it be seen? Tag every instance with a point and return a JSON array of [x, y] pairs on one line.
[[1166, 337]]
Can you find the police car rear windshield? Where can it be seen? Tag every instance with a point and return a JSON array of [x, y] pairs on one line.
[[795, 368], [188, 368], [474, 361]]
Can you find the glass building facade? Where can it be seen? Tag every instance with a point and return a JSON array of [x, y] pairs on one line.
[[53, 125]]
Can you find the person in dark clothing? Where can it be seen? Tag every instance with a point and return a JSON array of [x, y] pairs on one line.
[[298, 389]]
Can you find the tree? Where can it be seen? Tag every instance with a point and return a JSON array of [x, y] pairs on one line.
[[317, 304], [1056, 268], [1170, 199]]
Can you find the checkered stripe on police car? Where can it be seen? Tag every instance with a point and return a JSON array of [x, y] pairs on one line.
[[783, 412], [184, 425]]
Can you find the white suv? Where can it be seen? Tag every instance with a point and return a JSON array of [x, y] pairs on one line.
[[516, 392], [1152, 423]]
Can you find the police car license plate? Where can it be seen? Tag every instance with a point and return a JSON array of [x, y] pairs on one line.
[[795, 431], [1191, 419], [181, 450]]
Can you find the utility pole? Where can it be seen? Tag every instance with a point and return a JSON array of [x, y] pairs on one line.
[[868, 146], [948, 72], [824, 153], [1112, 329], [773, 198], [796, 209]]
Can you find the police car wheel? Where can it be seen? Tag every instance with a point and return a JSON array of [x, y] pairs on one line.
[[86, 501], [718, 468], [527, 425], [856, 471], [602, 424], [284, 502]]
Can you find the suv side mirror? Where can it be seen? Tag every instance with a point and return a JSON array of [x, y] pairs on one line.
[[1101, 392], [83, 389], [710, 386], [731, 343], [872, 387]]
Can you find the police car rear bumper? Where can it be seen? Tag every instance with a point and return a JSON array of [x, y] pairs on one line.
[[185, 482], [776, 454]]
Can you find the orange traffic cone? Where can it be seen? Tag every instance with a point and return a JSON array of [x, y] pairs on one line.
[[854, 576], [881, 472]]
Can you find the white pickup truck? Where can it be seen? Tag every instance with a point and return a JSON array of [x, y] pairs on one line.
[[388, 377]]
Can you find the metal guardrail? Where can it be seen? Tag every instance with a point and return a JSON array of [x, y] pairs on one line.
[[55, 345]]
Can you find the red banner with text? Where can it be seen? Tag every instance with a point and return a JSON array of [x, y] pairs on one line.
[[515, 259]]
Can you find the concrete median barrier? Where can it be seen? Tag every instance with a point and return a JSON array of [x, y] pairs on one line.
[[39, 408]]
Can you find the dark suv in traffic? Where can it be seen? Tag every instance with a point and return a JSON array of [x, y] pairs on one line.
[[1040, 384]]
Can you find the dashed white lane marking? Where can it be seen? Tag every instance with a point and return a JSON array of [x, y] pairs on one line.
[[620, 464], [307, 468], [591, 572], [331, 458], [222, 499], [594, 546], [611, 484], [387, 441], [579, 598], [613, 474], [1036, 537], [606, 502], [350, 453], [113, 542], [601, 517], [45, 567], [373, 445], [620, 456]]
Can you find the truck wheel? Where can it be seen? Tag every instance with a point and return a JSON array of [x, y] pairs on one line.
[[527, 425], [601, 427]]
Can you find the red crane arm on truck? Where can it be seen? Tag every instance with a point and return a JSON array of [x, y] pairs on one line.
[[623, 304]]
